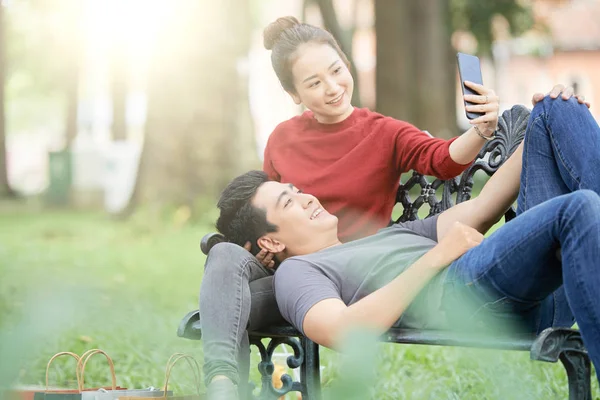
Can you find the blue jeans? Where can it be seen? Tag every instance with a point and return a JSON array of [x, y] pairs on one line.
[[542, 268]]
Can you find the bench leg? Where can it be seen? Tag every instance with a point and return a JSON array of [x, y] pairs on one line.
[[310, 371], [579, 370], [266, 368], [567, 345]]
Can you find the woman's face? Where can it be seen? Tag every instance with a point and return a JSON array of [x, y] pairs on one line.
[[323, 83]]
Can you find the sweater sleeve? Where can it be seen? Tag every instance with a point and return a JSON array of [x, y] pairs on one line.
[[418, 150], [268, 166]]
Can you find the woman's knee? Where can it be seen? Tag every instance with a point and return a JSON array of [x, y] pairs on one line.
[[556, 109], [227, 257], [585, 204]]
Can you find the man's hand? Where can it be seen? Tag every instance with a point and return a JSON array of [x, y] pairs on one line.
[[558, 90], [263, 256], [459, 239]]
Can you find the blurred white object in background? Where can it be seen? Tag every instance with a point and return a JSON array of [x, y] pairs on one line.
[[121, 161]]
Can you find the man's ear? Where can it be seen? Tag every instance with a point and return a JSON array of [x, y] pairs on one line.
[[295, 97], [271, 245]]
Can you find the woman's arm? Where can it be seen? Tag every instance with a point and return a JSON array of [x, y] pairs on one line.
[[464, 149], [501, 190]]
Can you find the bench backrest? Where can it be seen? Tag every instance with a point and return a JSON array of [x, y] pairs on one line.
[[511, 131]]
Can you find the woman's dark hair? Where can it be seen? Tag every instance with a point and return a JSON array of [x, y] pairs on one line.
[[239, 221], [284, 36]]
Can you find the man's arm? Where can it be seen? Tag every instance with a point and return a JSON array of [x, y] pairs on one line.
[[496, 197], [328, 320]]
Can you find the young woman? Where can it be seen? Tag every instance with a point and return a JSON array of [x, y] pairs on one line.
[[349, 158]]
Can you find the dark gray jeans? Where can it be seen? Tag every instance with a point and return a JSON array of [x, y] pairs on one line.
[[236, 294]]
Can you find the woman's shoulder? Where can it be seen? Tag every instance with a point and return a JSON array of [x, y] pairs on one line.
[[382, 122], [294, 124]]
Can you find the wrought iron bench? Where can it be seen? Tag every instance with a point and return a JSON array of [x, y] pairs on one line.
[[551, 345]]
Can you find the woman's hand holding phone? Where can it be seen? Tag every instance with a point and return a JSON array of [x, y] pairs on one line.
[[486, 102]]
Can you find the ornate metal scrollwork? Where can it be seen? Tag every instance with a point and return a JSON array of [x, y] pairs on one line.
[[266, 366], [511, 131]]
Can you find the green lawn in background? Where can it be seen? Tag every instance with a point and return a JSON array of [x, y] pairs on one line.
[[75, 281]]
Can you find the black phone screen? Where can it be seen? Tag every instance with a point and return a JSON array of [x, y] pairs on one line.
[[469, 69]]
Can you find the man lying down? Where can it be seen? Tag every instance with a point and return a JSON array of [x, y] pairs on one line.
[[435, 273]]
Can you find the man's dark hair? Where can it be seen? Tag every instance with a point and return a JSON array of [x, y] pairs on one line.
[[239, 221]]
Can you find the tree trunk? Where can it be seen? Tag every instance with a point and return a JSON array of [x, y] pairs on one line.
[[199, 131], [394, 70], [415, 73], [118, 85], [71, 72], [344, 38], [5, 189]]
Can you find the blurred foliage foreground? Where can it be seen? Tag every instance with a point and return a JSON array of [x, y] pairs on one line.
[[75, 281]]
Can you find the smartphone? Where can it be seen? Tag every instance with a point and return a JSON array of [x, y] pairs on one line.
[[469, 69]]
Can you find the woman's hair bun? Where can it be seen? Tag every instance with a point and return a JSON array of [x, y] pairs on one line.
[[274, 30]]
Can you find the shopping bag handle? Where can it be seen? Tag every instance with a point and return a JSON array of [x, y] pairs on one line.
[[85, 357], [191, 362], [195, 368], [62, 353]]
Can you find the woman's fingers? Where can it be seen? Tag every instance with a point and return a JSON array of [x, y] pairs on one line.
[[581, 100], [486, 118], [483, 108], [556, 91], [481, 99], [268, 258], [477, 87], [486, 102], [536, 98], [261, 255], [567, 93]]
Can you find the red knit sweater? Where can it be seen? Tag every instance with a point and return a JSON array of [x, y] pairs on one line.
[[353, 167]]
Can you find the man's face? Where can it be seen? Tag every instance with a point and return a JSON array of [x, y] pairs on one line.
[[303, 225]]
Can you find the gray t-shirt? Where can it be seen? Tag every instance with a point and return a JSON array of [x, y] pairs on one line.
[[353, 270]]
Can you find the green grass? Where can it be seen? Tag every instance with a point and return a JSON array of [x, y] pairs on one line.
[[74, 281]]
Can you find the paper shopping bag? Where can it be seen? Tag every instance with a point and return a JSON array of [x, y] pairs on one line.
[[168, 394], [115, 392], [66, 394], [70, 394]]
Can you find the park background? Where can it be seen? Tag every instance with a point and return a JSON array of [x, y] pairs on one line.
[[121, 120]]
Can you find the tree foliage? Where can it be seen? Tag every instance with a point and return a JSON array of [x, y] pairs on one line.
[[199, 132], [416, 78], [476, 16]]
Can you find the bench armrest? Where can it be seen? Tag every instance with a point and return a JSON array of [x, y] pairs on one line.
[[209, 240], [190, 326]]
